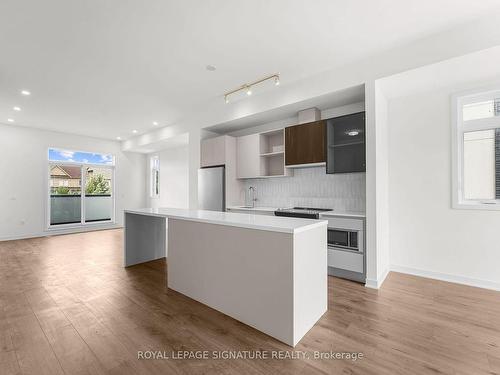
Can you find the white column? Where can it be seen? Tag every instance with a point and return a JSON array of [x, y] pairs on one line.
[[194, 165], [377, 206]]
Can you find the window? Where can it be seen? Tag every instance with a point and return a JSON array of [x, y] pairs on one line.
[[155, 177], [476, 150], [80, 188]]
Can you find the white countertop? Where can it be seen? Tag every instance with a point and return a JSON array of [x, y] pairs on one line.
[[334, 213], [352, 214], [246, 208], [260, 222]]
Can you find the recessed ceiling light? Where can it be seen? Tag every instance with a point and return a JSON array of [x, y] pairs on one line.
[[211, 68], [10, 120], [155, 123], [119, 138], [25, 92], [16, 108], [134, 131], [249, 90]]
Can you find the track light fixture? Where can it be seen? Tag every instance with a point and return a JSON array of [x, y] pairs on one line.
[[247, 87]]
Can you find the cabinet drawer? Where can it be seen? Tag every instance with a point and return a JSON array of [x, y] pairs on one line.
[[343, 223], [345, 260]]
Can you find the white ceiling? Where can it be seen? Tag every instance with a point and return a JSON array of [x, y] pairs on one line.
[[339, 98], [104, 68], [172, 142]]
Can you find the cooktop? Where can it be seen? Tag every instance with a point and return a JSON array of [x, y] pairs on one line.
[[302, 212]]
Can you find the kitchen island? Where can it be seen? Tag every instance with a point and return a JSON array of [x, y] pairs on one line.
[[265, 271]]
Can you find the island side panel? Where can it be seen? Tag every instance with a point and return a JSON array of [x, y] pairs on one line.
[[310, 279], [243, 273], [144, 238]]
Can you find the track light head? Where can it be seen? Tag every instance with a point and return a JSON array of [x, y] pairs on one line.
[[248, 86]]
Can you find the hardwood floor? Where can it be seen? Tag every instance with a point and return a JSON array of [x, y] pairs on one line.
[[67, 306]]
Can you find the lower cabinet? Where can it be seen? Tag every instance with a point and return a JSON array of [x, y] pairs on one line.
[[346, 260]]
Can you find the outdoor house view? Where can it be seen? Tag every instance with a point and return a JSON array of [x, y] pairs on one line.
[[69, 172]]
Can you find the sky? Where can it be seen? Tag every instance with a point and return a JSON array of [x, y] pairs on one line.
[[80, 157]]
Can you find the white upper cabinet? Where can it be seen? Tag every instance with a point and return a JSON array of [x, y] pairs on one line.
[[248, 156], [262, 155], [213, 152]]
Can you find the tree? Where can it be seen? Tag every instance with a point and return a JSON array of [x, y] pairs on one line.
[[97, 184], [62, 190]]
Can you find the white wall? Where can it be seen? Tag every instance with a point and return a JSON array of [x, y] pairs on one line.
[[427, 236], [24, 168], [174, 178]]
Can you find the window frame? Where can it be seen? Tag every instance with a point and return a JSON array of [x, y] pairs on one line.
[[152, 177], [458, 128], [83, 179]]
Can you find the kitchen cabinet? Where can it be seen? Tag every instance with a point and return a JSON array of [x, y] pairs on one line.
[[346, 144], [272, 154], [305, 144], [213, 151], [222, 151], [345, 260], [248, 156], [262, 155]]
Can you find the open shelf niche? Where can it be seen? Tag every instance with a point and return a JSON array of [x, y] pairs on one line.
[[272, 154]]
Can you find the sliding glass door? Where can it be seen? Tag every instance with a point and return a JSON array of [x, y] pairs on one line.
[[65, 194], [98, 194], [80, 188]]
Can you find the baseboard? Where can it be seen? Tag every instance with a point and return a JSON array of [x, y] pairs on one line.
[[486, 284], [376, 284], [59, 232]]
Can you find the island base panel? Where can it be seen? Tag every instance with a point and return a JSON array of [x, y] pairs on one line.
[[145, 238], [248, 274]]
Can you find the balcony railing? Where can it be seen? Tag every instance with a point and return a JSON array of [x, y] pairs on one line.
[[66, 209]]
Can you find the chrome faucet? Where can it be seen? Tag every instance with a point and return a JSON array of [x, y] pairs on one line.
[[252, 190]]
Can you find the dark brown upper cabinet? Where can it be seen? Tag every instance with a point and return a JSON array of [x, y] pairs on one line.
[[305, 143]]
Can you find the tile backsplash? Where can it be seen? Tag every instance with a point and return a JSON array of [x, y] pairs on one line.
[[311, 187]]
